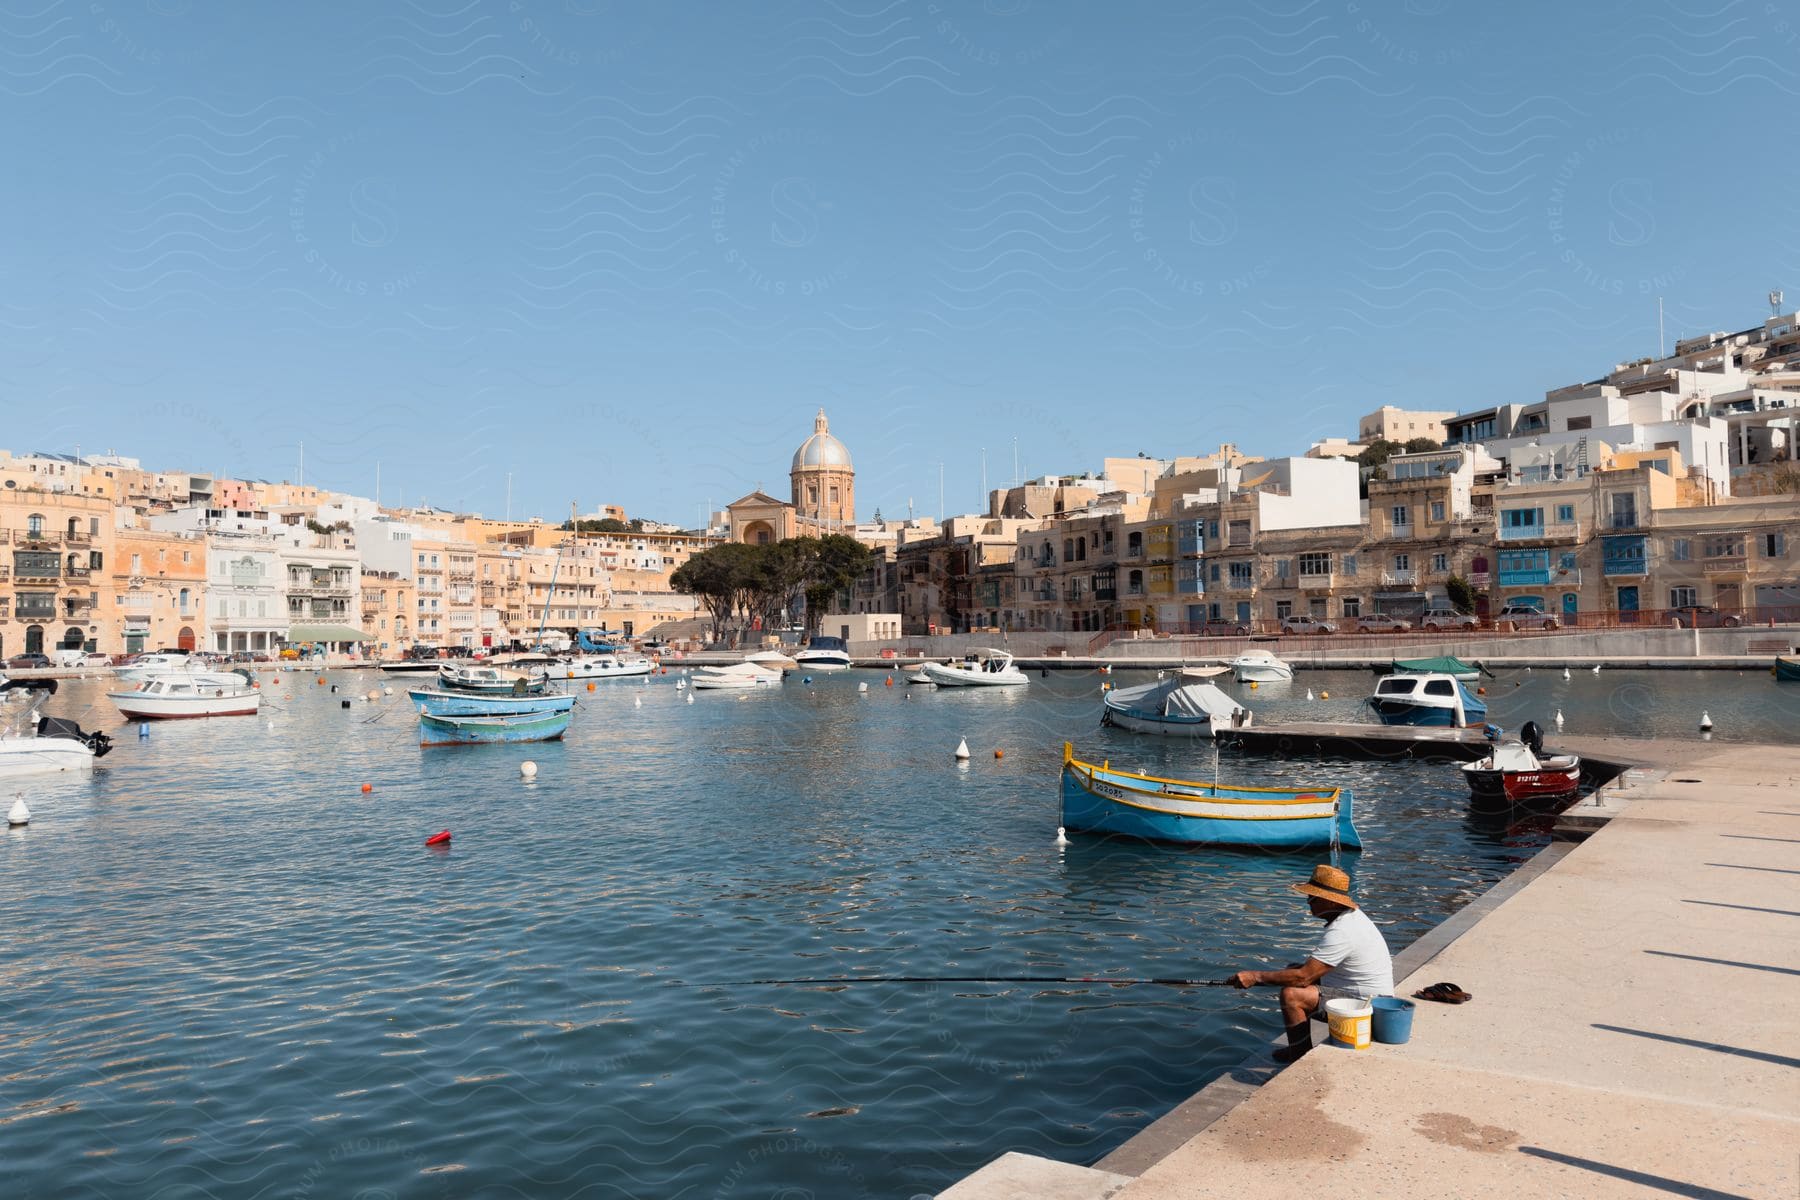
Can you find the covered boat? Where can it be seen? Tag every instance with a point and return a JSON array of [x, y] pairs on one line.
[[598, 666], [505, 727], [1407, 699], [1260, 666], [1183, 705], [1448, 664], [189, 694], [1098, 799], [735, 677], [1787, 669], [436, 703], [1518, 770], [983, 668], [31, 745]]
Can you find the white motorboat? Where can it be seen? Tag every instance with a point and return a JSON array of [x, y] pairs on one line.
[[771, 660], [1260, 666], [189, 694], [597, 666], [983, 668], [824, 654], [32, 745], [736, 676], [1183, 705], [147, 665], [491, 681]]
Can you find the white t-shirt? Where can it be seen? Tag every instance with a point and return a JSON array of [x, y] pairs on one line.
[[1357, 955]]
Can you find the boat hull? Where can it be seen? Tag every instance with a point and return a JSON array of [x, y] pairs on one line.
[[1555, 780], [1787, 670], [492, 730], [957, 677], [42, 756], [828, 661], [589, 669], [456, 704], [1134, 722], [139, 706], [1262, 673], [1100, 800]]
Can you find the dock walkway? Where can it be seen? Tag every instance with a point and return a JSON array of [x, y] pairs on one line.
[[1632, 1032]]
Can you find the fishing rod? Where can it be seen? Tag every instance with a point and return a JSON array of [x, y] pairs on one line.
[[975, 979]]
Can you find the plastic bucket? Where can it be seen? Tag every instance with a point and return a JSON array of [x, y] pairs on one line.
[[1392, 1024], [1349, 1022]]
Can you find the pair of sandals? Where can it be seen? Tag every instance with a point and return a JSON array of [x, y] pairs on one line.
[[1443, 993]]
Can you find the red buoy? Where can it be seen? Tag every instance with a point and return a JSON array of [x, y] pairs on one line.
[[439, 839]]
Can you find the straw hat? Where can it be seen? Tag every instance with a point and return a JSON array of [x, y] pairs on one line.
[[1327, 883]]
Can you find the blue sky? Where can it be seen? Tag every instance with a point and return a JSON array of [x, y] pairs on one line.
[[624, 252]]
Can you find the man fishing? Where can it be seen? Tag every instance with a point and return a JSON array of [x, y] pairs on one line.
[[1351, 960]]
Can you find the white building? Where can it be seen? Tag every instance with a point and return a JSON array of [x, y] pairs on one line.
[[245, 597]]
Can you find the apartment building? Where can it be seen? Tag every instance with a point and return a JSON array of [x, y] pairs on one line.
[[56, 588], [160, 585]]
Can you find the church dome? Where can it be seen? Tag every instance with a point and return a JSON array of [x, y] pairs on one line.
[[821, 449]]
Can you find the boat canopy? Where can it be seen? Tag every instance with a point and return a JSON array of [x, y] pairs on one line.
[[1513, 755], [1174, 697], [1449, 664]]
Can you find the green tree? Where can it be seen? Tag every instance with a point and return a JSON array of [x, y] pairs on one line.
[[1377, 452], [1420, 445], [720, 578], [838, 563], [1461, 593]]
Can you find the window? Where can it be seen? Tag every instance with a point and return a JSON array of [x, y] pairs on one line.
[[1241, 574], [1581, 423], [1680, 549], [1774, 545], [1284, 609], [1402, 515], [1352, 606], [1624, 510], [1440, 563], [1723, 545], [1349, 565], [1240, 533], [1402, 562], [1215, 572], [1437, 510], [1315, 564], [1520, 519], [137, 564], [1566, 562], [1281, 567], [34, 524], [1683, 597], [1565, 514]]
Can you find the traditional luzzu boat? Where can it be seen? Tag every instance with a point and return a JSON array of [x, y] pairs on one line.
[[1098, 799], [436, 703], [503, 727], [1436, 699], [1787, 669], [1183, 705]]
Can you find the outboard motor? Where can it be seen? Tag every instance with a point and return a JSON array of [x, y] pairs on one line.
[[1533, 737]]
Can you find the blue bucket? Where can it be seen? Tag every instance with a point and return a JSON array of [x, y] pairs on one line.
[[1393, 1020]]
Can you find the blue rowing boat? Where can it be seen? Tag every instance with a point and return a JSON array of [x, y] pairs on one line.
[[435, 703], [509, 727], [1098, 799]]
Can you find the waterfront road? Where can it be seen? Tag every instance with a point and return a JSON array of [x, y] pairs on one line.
[[1633, 1030]]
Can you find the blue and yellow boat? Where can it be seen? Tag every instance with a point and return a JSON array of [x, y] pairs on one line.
[[1787, 669], [508, 727], [434, 703], [1098, 799]]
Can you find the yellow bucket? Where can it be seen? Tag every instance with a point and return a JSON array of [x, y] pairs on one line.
[[1349, 1021]]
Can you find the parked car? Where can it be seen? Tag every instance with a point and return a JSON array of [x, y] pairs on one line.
[[28, 662], [1381, 623], [1302, 623], [1703, 616], [96, 659], [1523, 616], [1437, 619], [1223, 628]]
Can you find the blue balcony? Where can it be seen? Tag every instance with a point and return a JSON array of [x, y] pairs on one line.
[[1523, 568], [1533, 577], [1190, 587], [1623, 556]]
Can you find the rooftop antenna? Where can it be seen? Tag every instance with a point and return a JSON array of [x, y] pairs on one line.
[[1775, 303], [1659, 327], [984, 495]]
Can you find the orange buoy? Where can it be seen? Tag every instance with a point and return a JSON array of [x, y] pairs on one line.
[[321, 680], [999, 754], [1481, 691], [890, 681], [590, 687], [367, 788], [439, 839]]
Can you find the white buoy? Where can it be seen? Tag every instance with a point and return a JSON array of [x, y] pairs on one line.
[[1309, 694], [1596, 668], [690, 697], [1705, 721], [18, 814], [387, 691], [862, 687], [962, 748], [1062, 837], [528, 769], [1559, 718], [1565, 672], [373, 695]]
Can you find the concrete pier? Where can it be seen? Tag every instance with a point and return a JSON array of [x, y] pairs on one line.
[[1632, 1030]]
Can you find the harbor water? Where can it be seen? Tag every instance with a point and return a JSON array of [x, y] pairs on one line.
[[229, 971]]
